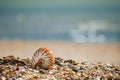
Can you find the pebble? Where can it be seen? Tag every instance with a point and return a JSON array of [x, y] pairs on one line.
[[15, 68]]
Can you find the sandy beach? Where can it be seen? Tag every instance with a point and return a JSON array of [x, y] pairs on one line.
[[94, 52]]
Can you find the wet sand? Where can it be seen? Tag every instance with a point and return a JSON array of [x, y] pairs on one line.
[[94, 52]]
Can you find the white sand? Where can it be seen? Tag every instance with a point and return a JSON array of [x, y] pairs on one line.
[[103, 52]]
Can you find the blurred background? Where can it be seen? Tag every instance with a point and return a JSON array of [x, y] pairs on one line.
[[90, 29]]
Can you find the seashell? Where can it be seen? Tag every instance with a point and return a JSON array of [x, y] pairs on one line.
[[43, 59]]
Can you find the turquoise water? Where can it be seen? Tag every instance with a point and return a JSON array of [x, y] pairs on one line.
[[84, 23]]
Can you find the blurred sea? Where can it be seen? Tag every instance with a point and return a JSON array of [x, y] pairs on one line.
[[109, 36], [77, 25]]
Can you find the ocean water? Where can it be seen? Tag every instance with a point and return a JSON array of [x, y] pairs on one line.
[[77, 25], [105, 37]]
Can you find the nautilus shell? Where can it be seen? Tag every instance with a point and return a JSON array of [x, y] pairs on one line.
[[43, 59]]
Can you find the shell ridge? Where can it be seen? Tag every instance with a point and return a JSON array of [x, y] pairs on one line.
[[43, 52], [33, 60]]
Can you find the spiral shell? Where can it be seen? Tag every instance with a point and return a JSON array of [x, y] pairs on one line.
[[43, 59]]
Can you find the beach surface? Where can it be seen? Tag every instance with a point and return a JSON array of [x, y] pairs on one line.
[[93, 52]]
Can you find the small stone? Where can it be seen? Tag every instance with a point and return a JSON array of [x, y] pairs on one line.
[[82, 67], [21, 63], [1, 61], [116, 79], [86, 78], [59, 59], [35, 77], [75, 70], [58, 62], [70, 61], [17, 68], [19, 79], [116, 69], [42, 71], [3, 78], [110, 78], [13, 62], [12, 68], [0, 71]]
